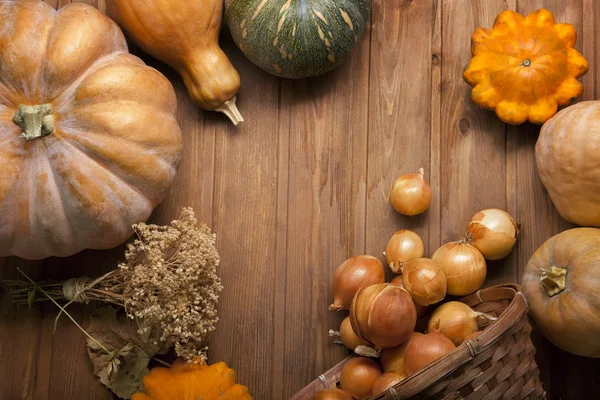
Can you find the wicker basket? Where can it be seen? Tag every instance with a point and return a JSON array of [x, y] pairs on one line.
[[498, 364]]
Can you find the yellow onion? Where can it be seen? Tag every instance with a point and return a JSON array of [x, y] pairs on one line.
[[493, 232], [421, 310], [358, 377], [392, 358], [424, 280], [464, 266], [403, 246], [383, 315], [348, 337], [355, 273], [411, 194], [332, 394], [455, 320], [423, 350], [386, 381]]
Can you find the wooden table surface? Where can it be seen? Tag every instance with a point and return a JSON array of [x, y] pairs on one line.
[[303, 184]]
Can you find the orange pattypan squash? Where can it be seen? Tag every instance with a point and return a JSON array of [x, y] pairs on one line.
[[192, 382], [525, 67]]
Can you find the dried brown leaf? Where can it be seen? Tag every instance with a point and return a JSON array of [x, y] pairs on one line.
[[117, 333]]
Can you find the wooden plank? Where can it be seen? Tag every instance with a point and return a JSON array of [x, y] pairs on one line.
[[473, 153], [326, 208], [399, 115], [245, 219], [565, 375]]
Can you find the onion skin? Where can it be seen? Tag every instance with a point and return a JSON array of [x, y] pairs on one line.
[[425, 280], [355, 273], [561, 284], [386, 381], [403, 246], [332, 394], [411, 194], [348, 336], [455, 320], [358, 377], [464, 266], [421, 310], [383, 315], [423, 350], [392, 359], [493, 232]]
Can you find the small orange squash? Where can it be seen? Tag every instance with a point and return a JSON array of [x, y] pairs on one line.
[[185, 35], [525, 67], [89, 141], [190, 381]]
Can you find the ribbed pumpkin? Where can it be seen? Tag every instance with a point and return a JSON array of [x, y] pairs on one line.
[[89, 142], [297, 39], [568, 160], [192, 382], [525, 67]]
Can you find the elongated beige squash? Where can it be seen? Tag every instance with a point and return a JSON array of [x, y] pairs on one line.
[[89, 143], [185, 35]]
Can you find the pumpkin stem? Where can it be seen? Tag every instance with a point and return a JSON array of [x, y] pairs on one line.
[[554, 281], [230, 109], [36, 121]]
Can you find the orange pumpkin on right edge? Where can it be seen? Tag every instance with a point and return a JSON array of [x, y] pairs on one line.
[[525, 67]]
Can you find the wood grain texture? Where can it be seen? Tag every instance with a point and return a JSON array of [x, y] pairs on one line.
[[304, 183]]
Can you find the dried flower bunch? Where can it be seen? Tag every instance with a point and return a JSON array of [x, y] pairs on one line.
[[168, 283]]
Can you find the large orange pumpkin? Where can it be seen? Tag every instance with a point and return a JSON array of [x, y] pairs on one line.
[[525, 67], [89, 142]]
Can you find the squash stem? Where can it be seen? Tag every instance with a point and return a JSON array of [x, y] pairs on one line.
[[36, 121], [554, 280], [230, 109]]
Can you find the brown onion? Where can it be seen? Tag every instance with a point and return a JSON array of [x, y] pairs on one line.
[[348, 336], [358, 377], [355, 273], [424, 279], [464, 266], [332, 394], [455, 320], [386, 381], [383, 315], [421, 310], [493, 232], [411, 194], [403, 246], [392, 358], [423, 350]]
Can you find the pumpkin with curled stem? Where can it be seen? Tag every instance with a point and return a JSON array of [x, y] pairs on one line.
[[525, 67], [192, 381], [89, 140]]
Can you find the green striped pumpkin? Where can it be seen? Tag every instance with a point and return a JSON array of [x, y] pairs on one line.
[[297, 38]]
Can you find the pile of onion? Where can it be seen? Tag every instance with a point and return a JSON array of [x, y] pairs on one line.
[[425, 281], [493, 232], [464, 266], [383, 315], [411, 194], [392, 358], [402, 247], [354, 274], [358, 377]]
